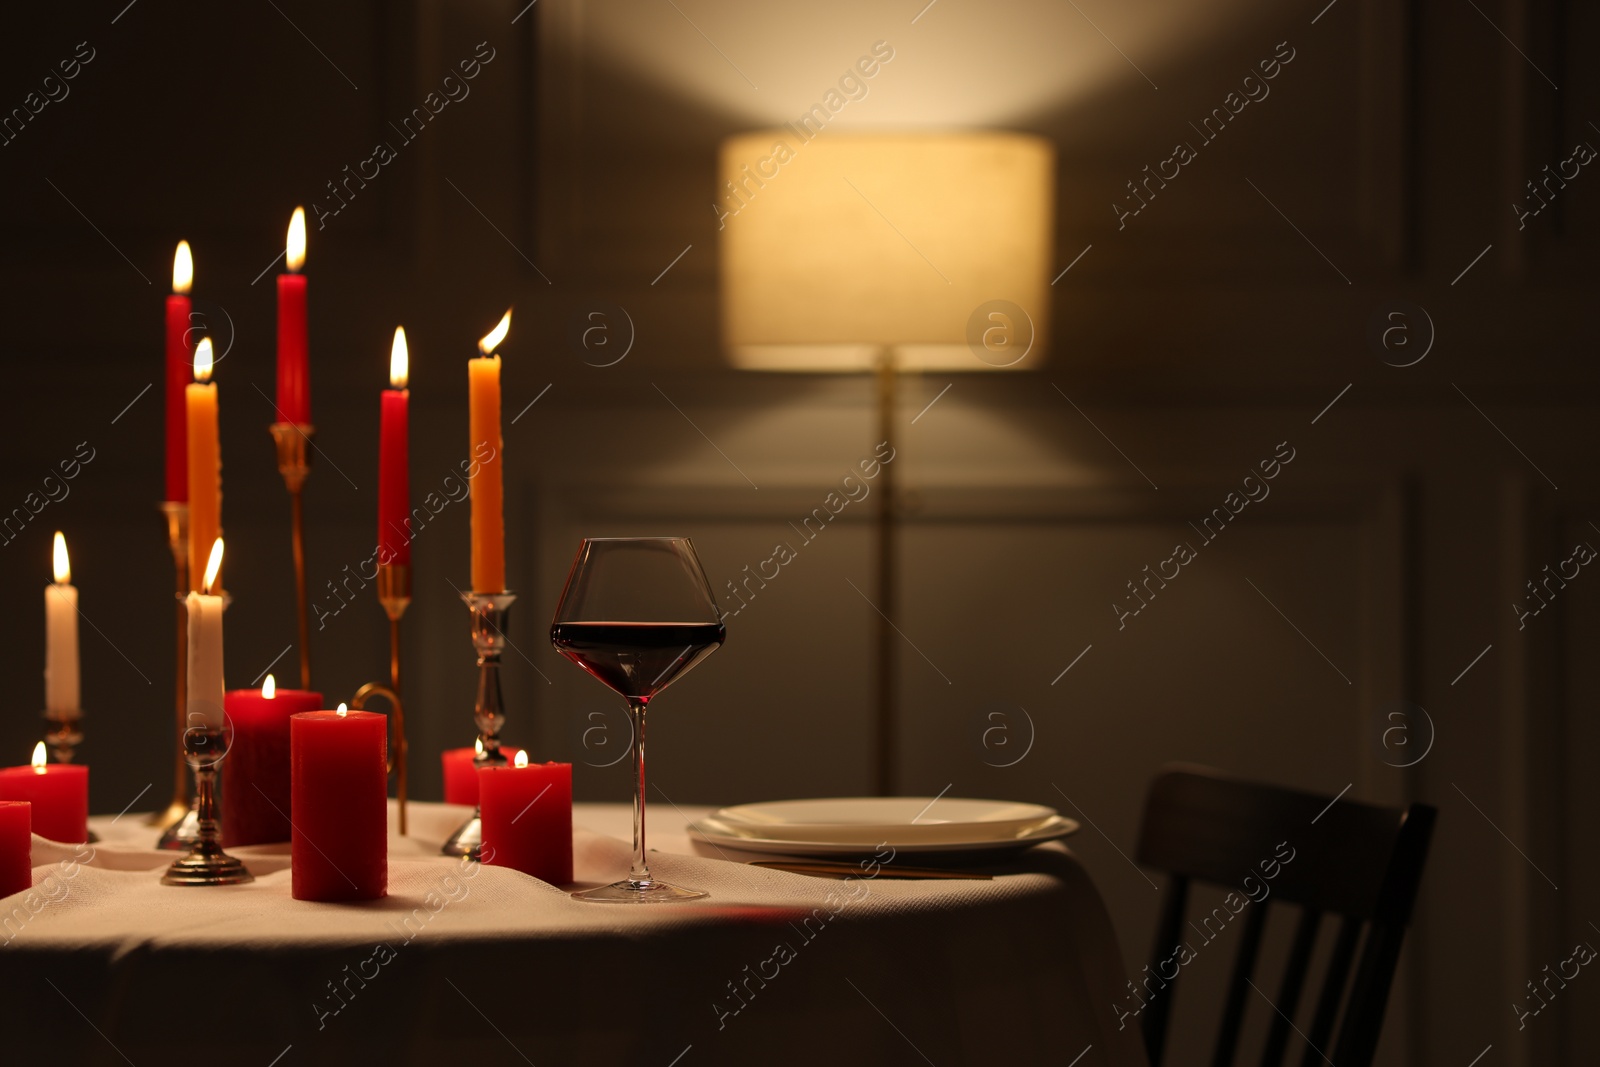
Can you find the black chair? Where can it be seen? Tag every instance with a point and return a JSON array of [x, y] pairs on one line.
[[1356, 861]]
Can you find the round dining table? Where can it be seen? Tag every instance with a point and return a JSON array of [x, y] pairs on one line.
[[464, 963]]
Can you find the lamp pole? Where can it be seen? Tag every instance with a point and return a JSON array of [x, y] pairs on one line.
[[884, 733]]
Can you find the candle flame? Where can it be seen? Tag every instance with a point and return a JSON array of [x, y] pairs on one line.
[[269, 688], [203, 360], [522, 758], [477, 746], [496, 335], [38, 758], [213, 565], [399, 360], [63, 565], [182, 269], [343, 710], [294, 250]]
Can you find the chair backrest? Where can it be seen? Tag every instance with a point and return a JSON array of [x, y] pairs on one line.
[[1332, 857]]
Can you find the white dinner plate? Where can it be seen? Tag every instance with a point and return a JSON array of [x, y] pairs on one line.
[[855, 825], [900, 820]]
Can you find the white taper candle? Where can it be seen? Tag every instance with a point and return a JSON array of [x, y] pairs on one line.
[[61, 635], [205, 649]]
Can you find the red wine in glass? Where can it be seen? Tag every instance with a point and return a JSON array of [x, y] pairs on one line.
[[637, 659], [636, 614]]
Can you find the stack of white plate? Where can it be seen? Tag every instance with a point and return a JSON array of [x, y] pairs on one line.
[[857, 826]]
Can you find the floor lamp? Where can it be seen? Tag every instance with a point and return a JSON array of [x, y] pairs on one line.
[[845, 253]]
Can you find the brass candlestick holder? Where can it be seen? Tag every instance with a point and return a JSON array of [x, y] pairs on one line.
[[206, 863], [489, 614], [394, 593], [178, 821], [293, 441]]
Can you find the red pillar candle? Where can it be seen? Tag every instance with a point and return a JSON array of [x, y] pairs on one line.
[[179, 369], [16, 847], [460, 776], [394, 461], [527, 818], [294, 361], [461, 773], [59, 793], [256, 796], [340, 782]]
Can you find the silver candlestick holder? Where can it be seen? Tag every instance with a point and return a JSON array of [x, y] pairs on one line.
[[65, 734], [178, 821], [182, 832], [206, 863], [489, 613], [64, 737]]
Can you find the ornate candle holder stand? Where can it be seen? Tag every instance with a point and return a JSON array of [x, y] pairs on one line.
[[184, 834], [394, 593], [178, 820], [206, 863], [489, 612], [64, 737], [293, 441]]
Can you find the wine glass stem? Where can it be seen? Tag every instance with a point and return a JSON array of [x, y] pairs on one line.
[[639, 872]]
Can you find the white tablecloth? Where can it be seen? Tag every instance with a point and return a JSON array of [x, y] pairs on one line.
[[100, 963]]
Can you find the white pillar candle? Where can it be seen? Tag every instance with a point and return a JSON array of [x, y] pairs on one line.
[[205, 649], [61, 635]]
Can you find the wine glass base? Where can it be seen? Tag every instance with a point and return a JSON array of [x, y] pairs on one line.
[[468, 839], [173, 812], [628, 891], [182, 835]]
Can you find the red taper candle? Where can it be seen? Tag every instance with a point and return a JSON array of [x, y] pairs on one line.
[[180, 370], [16, 847], [394, 461], [294, 361], [256, 793], [340, 785], [527, 818]]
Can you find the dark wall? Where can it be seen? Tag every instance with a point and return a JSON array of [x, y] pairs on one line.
[[1243, 307]]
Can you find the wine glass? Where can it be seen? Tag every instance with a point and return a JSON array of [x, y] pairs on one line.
[[637, 613]]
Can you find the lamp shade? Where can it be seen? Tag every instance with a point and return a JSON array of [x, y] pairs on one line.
[[932, 248]]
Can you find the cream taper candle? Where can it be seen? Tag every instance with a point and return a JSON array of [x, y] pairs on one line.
[[205, 649], [61, 635]]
